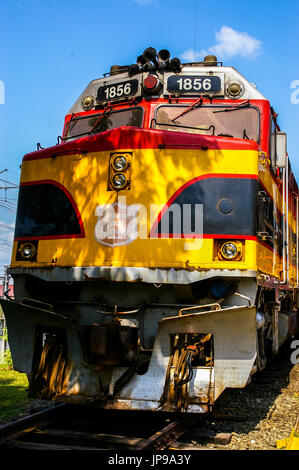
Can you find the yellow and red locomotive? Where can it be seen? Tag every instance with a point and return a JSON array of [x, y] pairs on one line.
[[155, 257]]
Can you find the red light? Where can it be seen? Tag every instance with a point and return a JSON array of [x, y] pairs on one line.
[[150, 82]]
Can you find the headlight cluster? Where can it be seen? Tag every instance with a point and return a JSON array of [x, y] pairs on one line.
[[120, 171]]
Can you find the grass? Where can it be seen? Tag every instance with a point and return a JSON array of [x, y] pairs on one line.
[[13, 393]]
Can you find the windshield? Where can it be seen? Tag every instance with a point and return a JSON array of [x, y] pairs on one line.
[[80, 126], [238, 122]]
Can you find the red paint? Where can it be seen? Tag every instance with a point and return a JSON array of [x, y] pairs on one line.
[[50, 237], [206, 236], [137, 138]]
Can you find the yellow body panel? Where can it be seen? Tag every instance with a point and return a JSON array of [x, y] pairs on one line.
[[156, 175], [270, 262]]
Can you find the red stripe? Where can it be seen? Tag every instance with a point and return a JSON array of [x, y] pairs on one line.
[[50, 237], [189, 183], [74, 205], [136, 138], [205, 236]]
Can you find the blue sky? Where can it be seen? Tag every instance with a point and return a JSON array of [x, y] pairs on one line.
[[51, 49]]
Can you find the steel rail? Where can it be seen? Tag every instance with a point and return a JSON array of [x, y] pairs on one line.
[[46, 430], [20, 426]]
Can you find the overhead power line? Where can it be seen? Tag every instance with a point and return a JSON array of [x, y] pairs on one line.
[[6, 227]]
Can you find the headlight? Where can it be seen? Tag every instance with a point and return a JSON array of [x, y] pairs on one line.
[[119, 163], [234, 89], [28, 250], [119, 181], [229, 250], [87, 102]]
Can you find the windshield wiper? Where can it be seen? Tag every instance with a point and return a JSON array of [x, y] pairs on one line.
[[105, 113], [188, 127], [68, 126], [197, 102], [76, 119], [245, 136], [233, 108]]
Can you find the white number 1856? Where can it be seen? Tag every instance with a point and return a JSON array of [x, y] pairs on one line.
[[119, 90], [196, 84]]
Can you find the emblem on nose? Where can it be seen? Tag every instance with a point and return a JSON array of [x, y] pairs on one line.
[[117, 223]]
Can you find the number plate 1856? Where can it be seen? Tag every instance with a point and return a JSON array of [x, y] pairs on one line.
[[117, 90], [193, 84]]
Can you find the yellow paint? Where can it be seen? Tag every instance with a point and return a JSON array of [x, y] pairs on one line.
[[293, 442], [270, 262], [156, 175]]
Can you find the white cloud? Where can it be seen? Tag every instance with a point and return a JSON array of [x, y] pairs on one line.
[[229, 43], [191, 56]]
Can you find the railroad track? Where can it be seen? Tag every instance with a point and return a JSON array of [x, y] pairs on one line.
[[80, 427], [71, 427]]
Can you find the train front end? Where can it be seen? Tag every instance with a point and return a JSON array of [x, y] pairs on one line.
[[135, 252]]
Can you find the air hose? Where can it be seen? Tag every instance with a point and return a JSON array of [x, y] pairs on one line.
[[183, 372]]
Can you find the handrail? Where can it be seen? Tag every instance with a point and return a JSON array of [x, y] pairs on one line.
[[215, 304], [287, 220], [285, 225]]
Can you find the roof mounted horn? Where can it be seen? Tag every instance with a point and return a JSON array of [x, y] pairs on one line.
[[150, 55], [175, 65], [164, 56]]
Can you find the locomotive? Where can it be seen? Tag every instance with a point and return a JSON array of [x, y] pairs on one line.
[[155, 256]]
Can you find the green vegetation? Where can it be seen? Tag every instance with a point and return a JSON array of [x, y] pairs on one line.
[[13, 393], [13, 388], [7, 355]]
